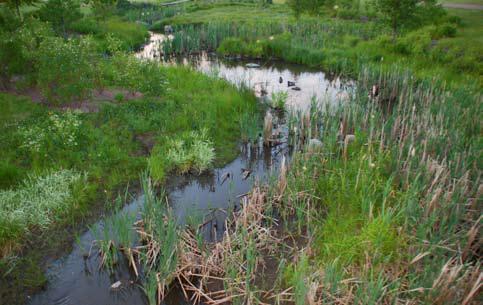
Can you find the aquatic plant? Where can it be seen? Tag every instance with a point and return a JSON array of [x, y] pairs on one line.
[[194, 151], [279, 99], [249, 126]]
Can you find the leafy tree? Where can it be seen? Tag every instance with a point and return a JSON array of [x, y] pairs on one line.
[[401, 13], [19, 44], [16, 4], [60, 13]]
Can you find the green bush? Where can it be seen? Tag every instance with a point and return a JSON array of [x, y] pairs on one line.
[[443, 30], [67, 69], [231, 46], [86, 26], [131, 35], [130, 73]]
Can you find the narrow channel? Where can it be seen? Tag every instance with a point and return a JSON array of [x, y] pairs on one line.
[[77, 279]]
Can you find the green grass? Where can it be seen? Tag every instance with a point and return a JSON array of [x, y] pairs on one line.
[[230, 12], [447, 49]]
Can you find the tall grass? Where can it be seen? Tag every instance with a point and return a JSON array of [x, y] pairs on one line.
[[390, 207]]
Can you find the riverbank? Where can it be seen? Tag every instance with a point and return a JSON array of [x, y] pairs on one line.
[[331, 41], [80, 158]]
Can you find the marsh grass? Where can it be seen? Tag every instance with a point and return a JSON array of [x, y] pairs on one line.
[[279, 100], [392, 180]]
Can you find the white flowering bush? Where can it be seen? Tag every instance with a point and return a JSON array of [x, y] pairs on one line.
[[37, 203], [61, 130]]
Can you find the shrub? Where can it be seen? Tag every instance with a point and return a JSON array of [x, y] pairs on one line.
[[130, 73], [58, 132], [231, 46], [132, 35], [444, 30], [86, 26], [66, 69], [12, 60]]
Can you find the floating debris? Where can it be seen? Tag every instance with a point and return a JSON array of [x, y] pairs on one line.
[[225, 177], [246, 173], [252, 65], [116, 285]]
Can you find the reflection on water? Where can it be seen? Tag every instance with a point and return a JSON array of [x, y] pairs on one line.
[[269, 77], [76, 280]]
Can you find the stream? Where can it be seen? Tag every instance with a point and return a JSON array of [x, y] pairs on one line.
[[76, 278]]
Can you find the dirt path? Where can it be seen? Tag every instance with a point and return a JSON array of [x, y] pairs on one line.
[[465, 6]]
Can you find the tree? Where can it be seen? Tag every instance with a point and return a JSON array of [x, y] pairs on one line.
[[399, 13], [16, 4], [60, 13]]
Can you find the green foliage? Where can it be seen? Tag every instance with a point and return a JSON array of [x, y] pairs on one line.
[[102, 8], [309, 6], [406, 13], [191, 151], [129, 34], [128, 72], [38, 203], [9, 174], [67, 69], [157, 164], [60, 14], [12, 60], [57, 132], [16, 4], [279, 99], [235, 46]]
